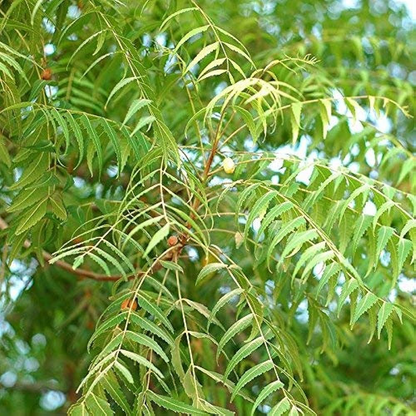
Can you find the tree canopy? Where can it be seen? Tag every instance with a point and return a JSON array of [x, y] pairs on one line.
[[206, 207]]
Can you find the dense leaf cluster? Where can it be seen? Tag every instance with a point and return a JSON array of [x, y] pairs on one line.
[[232, 291]]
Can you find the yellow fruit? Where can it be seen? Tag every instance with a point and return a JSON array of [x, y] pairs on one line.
[[228, 165]]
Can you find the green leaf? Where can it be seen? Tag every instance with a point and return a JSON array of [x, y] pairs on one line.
[[365, 303], [97, 405], [236, 328], [32, 216], [155, 311], [403, 249], [78, 136], [208, 270], [189, 35], [157, 238], [124, 371], [242, 353], [92, 133], [330, 270], [251, 374], [33, 171], [78, 409], [382, 316], [121, 84], [383, 237], [147, 342], [295, 120], [296, 241], [142, 361], [286, 229], [4, 154], [202, 54], [269, 389], [224, 300], [272, 215], [259, 207], [58, 207], [27, 197], [115, 142], [282, 407], [361, 226], [152, 328], [173, 404], [111, 385], [135, 106], [346, 291]]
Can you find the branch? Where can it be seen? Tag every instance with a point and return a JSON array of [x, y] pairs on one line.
[[87, 274]]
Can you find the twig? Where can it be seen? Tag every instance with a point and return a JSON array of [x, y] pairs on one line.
[[82, 273]]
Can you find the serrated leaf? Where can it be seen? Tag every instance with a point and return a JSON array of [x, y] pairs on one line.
[[92, 133], [121, 84], [224, 300], [346, 291], [382, 316], [32, 216], [115, 142], [329, 271], [27, 198], [403, 250], [251, 374], [189, 35], [33, 171], [98, 406], [152, 328], [242, 353], [273, 214], [58, 207], [160, 235], [383, 237], [361, 226], [269, 389], [295, 120], [111, 385], [236, 328], [124, 371], [155, 311], [135, 106], [282, 407], [142, 361], [78, 409], [208, 270], [173, 404], [202, 54], [4, 154], [147, 342], [286, 229], [260, 206], [365, 303]]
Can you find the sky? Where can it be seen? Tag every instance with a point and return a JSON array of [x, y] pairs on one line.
[[411, 5]]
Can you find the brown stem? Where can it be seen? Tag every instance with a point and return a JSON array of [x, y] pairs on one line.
[[87, 274]]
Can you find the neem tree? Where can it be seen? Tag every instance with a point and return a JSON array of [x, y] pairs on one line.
[[225, 166]]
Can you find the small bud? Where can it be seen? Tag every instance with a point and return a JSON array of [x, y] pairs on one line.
[[172, 240], [46, 74], [129, 304], [228, 165]]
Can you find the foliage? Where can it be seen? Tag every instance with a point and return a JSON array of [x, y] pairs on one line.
[[249, 289]]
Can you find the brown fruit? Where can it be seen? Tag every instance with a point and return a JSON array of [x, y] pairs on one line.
[[172, 240], [129, 304], [46, 74]]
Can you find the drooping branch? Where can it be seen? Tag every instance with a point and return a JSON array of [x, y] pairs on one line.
[[83, 273]]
